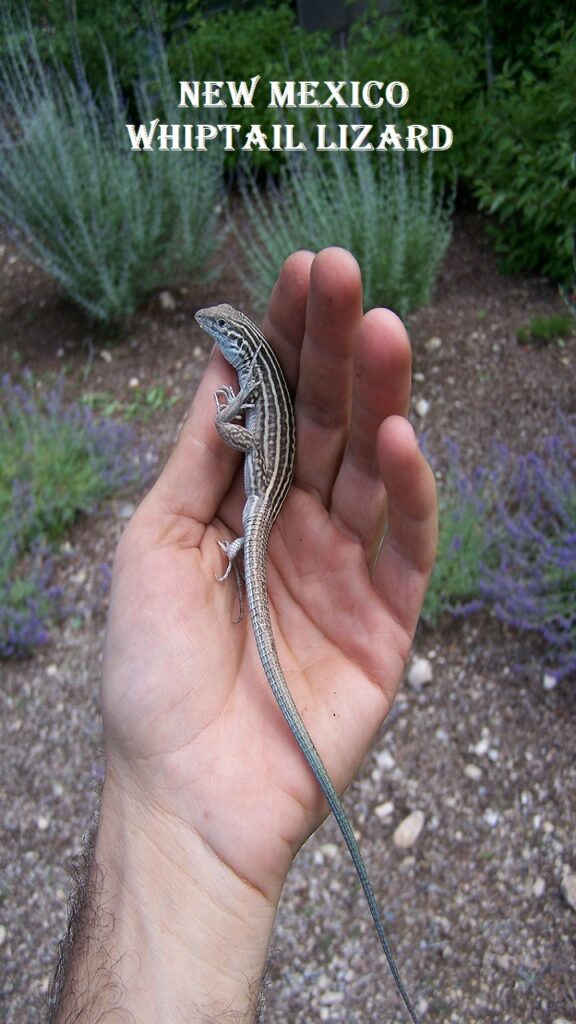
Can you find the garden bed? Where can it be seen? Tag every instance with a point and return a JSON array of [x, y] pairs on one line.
[[475, 908]]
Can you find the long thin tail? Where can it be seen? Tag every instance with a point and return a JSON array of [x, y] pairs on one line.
[[262, 626]]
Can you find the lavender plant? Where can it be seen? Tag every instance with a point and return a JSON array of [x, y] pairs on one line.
[[508, 542], [56, 462], [532, 585], [466, 501], [108, 224], [385, 211]]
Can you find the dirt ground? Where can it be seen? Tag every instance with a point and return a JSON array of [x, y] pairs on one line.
[[475, 908]]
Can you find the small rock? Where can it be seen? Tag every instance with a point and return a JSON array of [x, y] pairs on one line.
[[126, 510], [197, 351], [42, 823], [549, 681], [408, 830], [538, 888], [105, 355], [433, 344], [331, 997], [419, 673], [167, 302], [472, 771], [422, 407], [134, 382], [385, 761], [2, 934], [482, 747], [568, 886], [330, 850], [491, 817], [384, 810]]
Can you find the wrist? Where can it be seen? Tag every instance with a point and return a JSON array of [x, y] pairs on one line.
[[172, 932]]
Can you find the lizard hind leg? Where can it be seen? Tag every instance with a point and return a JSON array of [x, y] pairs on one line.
[[232, 549]]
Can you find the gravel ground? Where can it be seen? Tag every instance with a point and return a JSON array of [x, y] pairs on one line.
[[478, 906]]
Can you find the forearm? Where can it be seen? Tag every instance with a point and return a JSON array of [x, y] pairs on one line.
[[167, 932]]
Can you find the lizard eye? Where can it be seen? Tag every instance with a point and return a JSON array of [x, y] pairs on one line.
[[221, 323]]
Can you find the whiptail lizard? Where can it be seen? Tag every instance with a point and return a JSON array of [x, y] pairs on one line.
[[267, 439]]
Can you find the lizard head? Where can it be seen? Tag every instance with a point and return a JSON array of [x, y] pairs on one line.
[[236, 335]]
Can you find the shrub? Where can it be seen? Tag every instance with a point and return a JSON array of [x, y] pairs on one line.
[[508, 542], [109, 224], [442, 78], [239, 44], [386, 212], [465, 502], [532, 583], [28, 597], [56, 462], [524, 172]]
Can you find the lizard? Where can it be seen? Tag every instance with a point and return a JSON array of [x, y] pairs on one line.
[[267, 437]]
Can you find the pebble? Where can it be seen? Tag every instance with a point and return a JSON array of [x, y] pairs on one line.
[[134, 382], [42, 823], [422, 407], [126, 510], [549, 681], [167, 302], [472, 771], [105, 355], [433, 344], [2, 934], [491, 817], [420, 673], [568, 886], [385, 761], [384, 810], [330, 997], [408, 830]]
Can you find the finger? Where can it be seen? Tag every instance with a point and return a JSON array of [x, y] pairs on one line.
[[323, 398], [285, 320], [407, 555], [382, 362], [201, 467]]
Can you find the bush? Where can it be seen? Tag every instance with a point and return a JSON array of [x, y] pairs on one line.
[[386, 212], [465, 502], [61, 31], [109, 224], [442, 78], [56, 462], [524, 169], [532, 584], [508, 542], [263, 40]]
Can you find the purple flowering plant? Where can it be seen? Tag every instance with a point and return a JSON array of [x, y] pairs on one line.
[[532, 582], [508, 543], [57, 461]]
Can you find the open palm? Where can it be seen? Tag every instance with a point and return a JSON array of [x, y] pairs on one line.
[[188, 712]]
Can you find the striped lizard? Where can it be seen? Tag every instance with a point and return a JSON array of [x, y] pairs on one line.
[[267, 439]]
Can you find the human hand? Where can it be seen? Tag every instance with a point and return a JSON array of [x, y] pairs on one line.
[[190, 722], [207, 796]]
